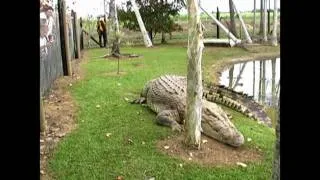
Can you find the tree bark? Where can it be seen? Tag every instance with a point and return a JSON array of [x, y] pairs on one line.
[[275, 24], [194, 77], [146, 38], [276, 161], [232, 21]]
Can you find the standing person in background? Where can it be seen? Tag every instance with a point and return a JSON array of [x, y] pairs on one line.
[[49, 14], [102, 31]]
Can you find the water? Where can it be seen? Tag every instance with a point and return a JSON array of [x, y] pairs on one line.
[[260, 79]]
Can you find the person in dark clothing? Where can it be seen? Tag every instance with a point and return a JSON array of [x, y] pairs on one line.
[[102, 31]]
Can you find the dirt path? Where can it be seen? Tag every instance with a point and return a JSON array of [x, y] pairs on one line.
[[60, 113]]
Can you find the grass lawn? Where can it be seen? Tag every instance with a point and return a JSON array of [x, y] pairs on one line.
[[87, 153]]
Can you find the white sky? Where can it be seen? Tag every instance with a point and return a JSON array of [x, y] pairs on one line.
[[95, 7]]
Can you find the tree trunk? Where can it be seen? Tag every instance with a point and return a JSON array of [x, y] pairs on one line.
[[113, 16], [261, 17], [276, 161], [265, 38], [194, 77], [254, 17], [241, 21], [150, 35], [275, 24], [232, 21], [163, 38], [146, 38]]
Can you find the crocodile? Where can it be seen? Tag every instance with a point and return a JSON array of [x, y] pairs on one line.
[[237, 101], [166, 96]]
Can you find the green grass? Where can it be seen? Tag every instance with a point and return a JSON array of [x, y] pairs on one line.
[[87, 153]]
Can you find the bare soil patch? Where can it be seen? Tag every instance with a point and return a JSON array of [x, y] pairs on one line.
[[211, 153], [60, 110]]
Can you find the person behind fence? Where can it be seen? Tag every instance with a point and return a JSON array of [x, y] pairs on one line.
[[102, 31]]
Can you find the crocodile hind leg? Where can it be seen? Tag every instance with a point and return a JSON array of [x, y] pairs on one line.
[[169, 118]]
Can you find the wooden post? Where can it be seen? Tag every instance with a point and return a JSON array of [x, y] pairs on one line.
[[76, 35], [218, 17], [81, 35], [43, 122], [194, 77], [66, 62]]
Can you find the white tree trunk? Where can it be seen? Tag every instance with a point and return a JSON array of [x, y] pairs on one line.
[[230, 35], [116, 22], [242, 23], [194, 77], [275, 24], [144, 32], [265, 38]]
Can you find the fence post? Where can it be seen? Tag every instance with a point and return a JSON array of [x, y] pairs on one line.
[[75, 35], [218, 17], [43, 122], [76, 26], [66, 61], [81, 35]]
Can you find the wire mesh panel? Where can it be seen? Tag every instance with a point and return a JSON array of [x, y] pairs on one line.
[[50, 57]]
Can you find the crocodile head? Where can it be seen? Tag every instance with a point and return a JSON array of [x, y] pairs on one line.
[[216, 124]]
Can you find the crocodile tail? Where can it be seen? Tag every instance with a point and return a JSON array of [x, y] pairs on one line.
[[238, 101]]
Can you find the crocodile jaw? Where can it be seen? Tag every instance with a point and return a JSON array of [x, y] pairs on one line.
[[217, 125]]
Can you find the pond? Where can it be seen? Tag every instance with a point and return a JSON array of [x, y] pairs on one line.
[[258, 78]]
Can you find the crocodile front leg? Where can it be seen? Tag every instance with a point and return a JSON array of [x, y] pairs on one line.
[[169, 118]]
